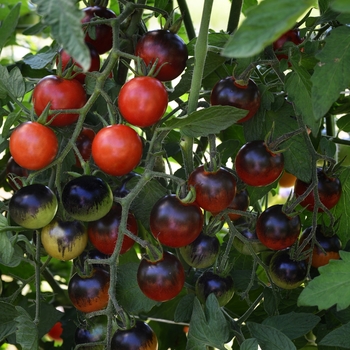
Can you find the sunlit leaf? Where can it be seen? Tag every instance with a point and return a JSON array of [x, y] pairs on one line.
[[8, 25]]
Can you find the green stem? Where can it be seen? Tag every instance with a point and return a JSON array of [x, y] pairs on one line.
[[187, 20], [37, 280], [235, 13]]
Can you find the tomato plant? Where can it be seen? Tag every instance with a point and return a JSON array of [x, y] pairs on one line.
[[14, 172], [291, 36], [56, 331], [84, 144], [91, 331]]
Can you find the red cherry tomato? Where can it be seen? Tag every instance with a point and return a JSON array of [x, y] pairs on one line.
[[117, 149], [103, 233], [56, 331], [33, 146], [142, 101], [290, 36], [256, 165], [227, 92], [61, 94], [13, 174], [100, 35], [214, 190], [168, 48], [84, 145]]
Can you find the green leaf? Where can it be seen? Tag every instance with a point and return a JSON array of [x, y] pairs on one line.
[[208, 327], [9, 24], [65, 20], [293, 325], [340, 5], [26, 334], [184, 309], [207, 121], [41, 59], [12, 82], [343, 123], [6, 248], [331, 287], [332, 73], [270, 338], [249, 344], [264, 24], [7, 320], [338, 337]]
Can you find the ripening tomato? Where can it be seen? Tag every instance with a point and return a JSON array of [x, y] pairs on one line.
[[60, 93], [13, 174], [84, 144], [287, 180], [168, 48], [33, 146], [142, 101], [117, 149], [291, 36], [94, 330], [56, 331]]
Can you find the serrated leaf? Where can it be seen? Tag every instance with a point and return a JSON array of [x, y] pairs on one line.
[[331, 287], [207, 121], [40, 60], [263, 25], [6, 248], [7, 320], [64, 17], [338, 337], [249, 344], [340, 5], [26, 334], [332, 73], [270, 338], [9, 24]]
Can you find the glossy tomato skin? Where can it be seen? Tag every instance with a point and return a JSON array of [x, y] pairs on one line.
[[84, 144], [174, 223], [161, 280], [168, 48], [140, 336], [329, 191], [226, 92], [33, 146], [67, 59], [285, 272], [210, 282], [276, 230], [64, 240], [87, 198], [89, 293], [142, 101], [291, 35], [103, 233], [202, 252], [61, 94], [214, 190], [102, 39], [94, 331], [256, 165], [33, 206], [331, 246], [13, 174], [117, 149]]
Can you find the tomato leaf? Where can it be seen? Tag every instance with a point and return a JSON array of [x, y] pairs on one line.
[[11, 83], [208, 327], [332, 68], [331, 287], [64, 18], [9, 24], [6, 248], [184, 308], [26, 334], [338, 337], [340, 5], [7, 320], [250, 344], [41, 59], [343, 123], [270, 338], [263, 26]]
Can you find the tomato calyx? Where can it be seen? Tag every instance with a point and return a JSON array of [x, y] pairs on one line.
[[153, 253]]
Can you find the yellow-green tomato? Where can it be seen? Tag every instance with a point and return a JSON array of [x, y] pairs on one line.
[[64, 240]]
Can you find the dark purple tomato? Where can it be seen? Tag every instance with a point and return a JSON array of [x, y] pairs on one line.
[[13, 174], [161, 280], [276, 229], [256, 165], [210, 282], [174, 223], [95, 330], [84, 145], [227, 92], [285, 272], [168, 48], [202, 252], [252, 241]]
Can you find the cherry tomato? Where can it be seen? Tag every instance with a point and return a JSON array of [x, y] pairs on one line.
[[94, 254], [13, 174], [174, 223], [276, 229], [161, 280], [103, 233], [329, 191], [56, 331], [64, 240], [291, 35], [89, 293], [94, 330], [210, 282], [285, 272], [33, 146], [87, 198], [84, 144], [168, 48], [326, 247], [256, 165], [61, 94], [67, 59], [287, 180], [142, 101], [214, 190], [202, 252], [227, 92], [100, 36], [140, 336], [117, 149], [33, 206]]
